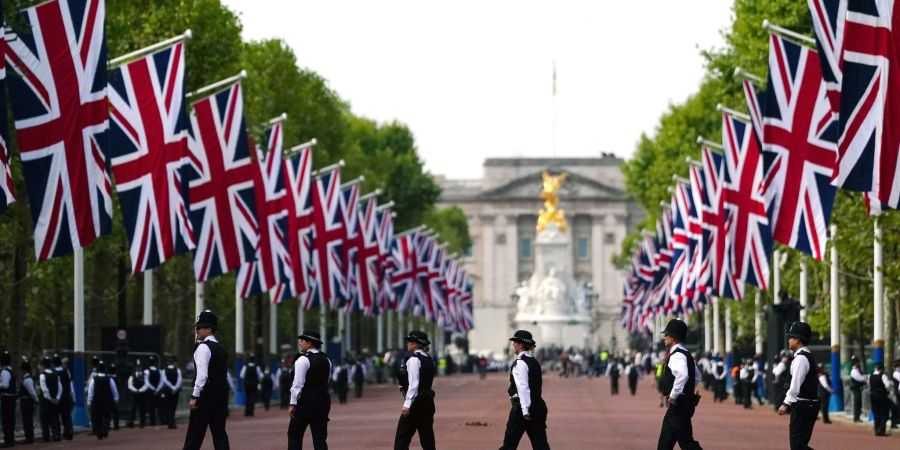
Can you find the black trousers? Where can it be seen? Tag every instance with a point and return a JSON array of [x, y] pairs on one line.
[[211, 412], [152, 402], [881, 409], [114, 416], [100, 420], [65, 415], [824, 401], [26, 407], [359, 389], [676, 427], [614, 385], [171, 404], [420, 419], [249, 401], [8, 418], [312, 414], [803, 418], [535, 428], [857, 403], [720, 390], [342, 393], [266, 397], [747, 391], [138, 408], [632, 385], [49, 420], [285, 397]]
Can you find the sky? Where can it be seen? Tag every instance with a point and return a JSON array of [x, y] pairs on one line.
[[474, 79]]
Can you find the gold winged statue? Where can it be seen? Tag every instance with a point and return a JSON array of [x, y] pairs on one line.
[[551, 212]]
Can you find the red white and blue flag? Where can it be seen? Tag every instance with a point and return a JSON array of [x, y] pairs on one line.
[[352, 244], [681, 207], [59, 98], [366, 259], [403, 270], [298, 176], [222, 191], [7, 196], [467, 305], [424, 304], [384, 298], [328, 235], [828, 17], [148, 150], [800, 146]]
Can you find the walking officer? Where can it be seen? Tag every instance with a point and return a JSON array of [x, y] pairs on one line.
[[802, 397], [139, 387], [27, 399], [679, 382], [51, 389], [170, 387], [310, 400], [251, 374], [67, 401], [154, 379], [285, 376], [415, 378], [209, 400], [878, 396], [857, 381], [7, 399], [528, 413], [265, 387], [101, 398]]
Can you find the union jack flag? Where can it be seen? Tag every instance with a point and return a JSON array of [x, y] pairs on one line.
[[748, 238], [466, 301], [366, 262], [828, 18], [298, 173], [352, 244], [870, 97], [58, 90], [424, 304], [222, 194], [437, 283], [801, 146], [148, 150], [403, 270], [328, 240], [271, 262], [7, 197], [681, 208], [385, 232]]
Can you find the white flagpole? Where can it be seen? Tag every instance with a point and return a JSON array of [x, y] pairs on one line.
[[273, 328], [837, 397], [379, 345], [758, 323], [323, 320], [717, 327], [804, 294], [147, 50], [776, 276], [390, 330], [238, 324], [728, 333], [707, 330], [349, 325], [300, 315], [198, 299], [878, 334], [341, 332], [79, 412], [148, 297]]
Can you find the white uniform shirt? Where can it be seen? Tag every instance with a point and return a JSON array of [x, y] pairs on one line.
[[5, 377], [857, 375], [823, 380], [259, 374], [164, 382], [897, 378], [45, 390], [112, 387], [884, 379], [679, 366], [202, 356], [28, 384], [520, 378], [799, 369], [779, 368], [301, 366], [59, 369], [362, 367], [162, 376], [413, 365], [143, 388]]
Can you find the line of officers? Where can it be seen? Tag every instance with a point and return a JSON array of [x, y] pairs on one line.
[[154, 393]]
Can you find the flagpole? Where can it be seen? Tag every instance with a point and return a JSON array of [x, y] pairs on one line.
[[717, 328], [354, 181], [218, 84], [711, 144], [238, 346], [148, 297], [390, 329], [374, 193], [734, 113], [300, 314], [729, 342], [323, 320], [707, 330], [776, 276], [878, 334], [349, 325], [320, 172], [791, 35], [837, 388], [341, 332], [276, 120], [804, 294], [379, 324], [273, 327], [198, 299], [291, 151], [79, 414], [758, 322], [115, 62]]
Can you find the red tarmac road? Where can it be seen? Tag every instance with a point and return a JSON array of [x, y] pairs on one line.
[[471, 414]]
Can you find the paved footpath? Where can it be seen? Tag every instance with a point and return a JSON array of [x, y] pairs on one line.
[[471, 414]]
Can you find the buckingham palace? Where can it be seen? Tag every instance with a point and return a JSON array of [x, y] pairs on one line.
[[502, 211]]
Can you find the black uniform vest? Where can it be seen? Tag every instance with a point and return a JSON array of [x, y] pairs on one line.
[[876, 386], [266, 381], [217, 371], [426, 373], [358, 373], [535, 381], [102, 391], [138, 380], [23, 393], [251, 377], [809, 388], [318, 373], [856, 385], [668, 378], [66, 379], [153, 377], [896, 387], [11, 389], [51, 379], [287, 377], [171, 374], [343, 376]]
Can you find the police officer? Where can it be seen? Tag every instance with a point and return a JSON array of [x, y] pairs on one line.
[[719, 374], [613, 370], [801, 399], [67, 401], [878, 396], [138, 386], [102, 398], [266, 385], [528, 413], [679, 382], [285, 376], [358, 375], [824, 394], [251, 374], [415, 378], [154, 379], [310, 400], [27, 399], [341, 378], [169, 388], [209, 399], [7, 399], [51, 389], [857, 381]]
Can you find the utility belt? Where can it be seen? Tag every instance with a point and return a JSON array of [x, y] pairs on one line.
[[423, 393], [6, 394], [811, 400]]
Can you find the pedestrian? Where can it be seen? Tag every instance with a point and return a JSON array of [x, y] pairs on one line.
[[824, 394], [285, 376], [155, 383], [209, 399], [51, 389], [341, 378], [265, 387], [139, 387], [857, 381], [415, 377], [746, 387], [102, 397], [358, 375], [720, 394], [310, 401], [67, 400], [613, 371], [7, 399], [482, 367], [679, 381], [251, 374], [528, 413], [170, 388], [633, 374], [27, 399], [878, 397], [801, 399]]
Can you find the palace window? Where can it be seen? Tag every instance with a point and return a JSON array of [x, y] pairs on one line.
[[583, 247], [525, 248]]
